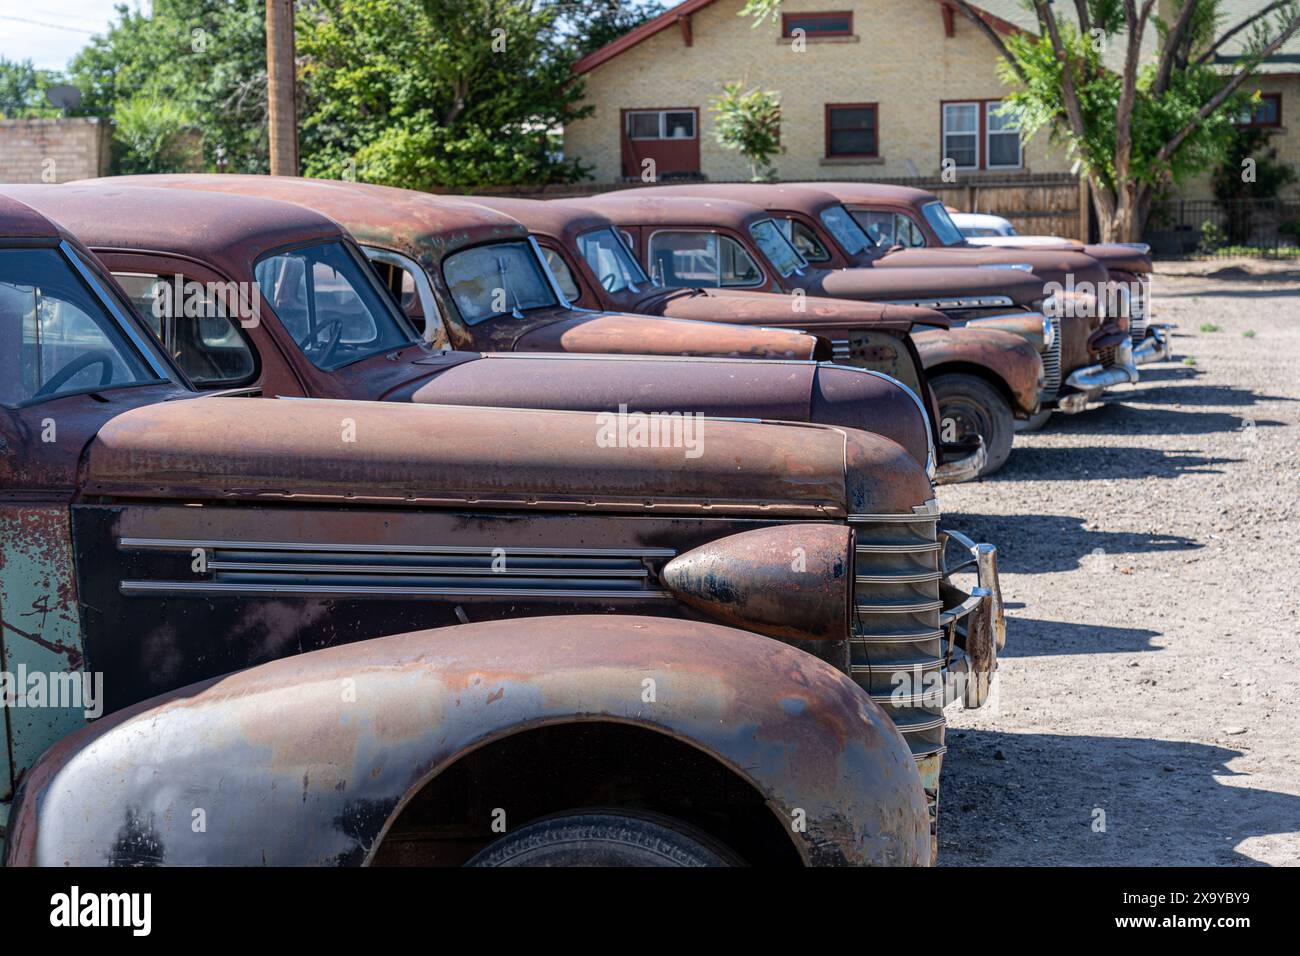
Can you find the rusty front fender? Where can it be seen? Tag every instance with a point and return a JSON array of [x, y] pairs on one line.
[[1005, 357], [308, 760]]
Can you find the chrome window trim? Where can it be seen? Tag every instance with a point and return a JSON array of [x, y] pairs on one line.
[[649, 248], [144, 344], [423, 285]]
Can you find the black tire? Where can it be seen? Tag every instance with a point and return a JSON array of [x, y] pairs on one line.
[[975, 407], [1034, 423], [605, 838]]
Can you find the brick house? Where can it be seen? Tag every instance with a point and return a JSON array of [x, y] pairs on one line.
[[870, 89]]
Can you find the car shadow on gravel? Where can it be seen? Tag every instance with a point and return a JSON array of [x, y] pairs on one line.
[[1042, 544], [1118, 418], [1215, 395], [1036, 637], [1039, 799], [1089, 463]]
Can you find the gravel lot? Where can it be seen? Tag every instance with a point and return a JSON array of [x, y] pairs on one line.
[[1151, 680]]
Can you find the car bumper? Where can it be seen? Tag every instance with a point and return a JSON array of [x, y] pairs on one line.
[[974, 623], [1155, 347], [963, 469], [1086, 384]]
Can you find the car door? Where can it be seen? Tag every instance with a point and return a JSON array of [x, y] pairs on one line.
[[72, 360]]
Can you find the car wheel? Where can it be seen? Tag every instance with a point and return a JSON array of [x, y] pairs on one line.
[[1034, 423], [970, 406], [605, 838]]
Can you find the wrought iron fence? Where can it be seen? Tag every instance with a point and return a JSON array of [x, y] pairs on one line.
[[1185, 228]]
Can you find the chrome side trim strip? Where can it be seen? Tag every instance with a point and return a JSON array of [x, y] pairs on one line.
[[210, 587], [187, 544]]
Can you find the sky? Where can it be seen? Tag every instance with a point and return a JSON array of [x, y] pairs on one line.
[[50, 32]]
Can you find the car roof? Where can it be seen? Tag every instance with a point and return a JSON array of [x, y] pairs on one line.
[[230, 232], [564, 218], [773, 196], [20, 221], [875, 192], [421, 225], [661, 210]]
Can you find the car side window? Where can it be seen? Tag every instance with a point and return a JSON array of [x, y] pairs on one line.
[[410, 286], [56, 337], [195, 325], [907, 232], [701, 260], [563, 277], [878, 225]]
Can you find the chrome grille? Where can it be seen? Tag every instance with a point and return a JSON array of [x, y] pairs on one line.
[[1052, 361], [840, 350], [1107, 358], [897, 645], [1137, 317]]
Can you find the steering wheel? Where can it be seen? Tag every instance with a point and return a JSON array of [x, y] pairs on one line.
[[75, 367], [609, 280], [337, 326]]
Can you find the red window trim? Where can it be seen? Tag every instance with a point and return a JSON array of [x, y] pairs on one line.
[[1275, 97], [785, 30], [826, 123]]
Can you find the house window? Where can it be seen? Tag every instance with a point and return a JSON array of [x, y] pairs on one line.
[[977, 136], [1002, 139], [851, 129], [961, 134], [1267, 112], [661, 124], [816, 25]]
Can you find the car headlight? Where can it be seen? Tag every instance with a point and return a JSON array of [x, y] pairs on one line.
[[1049, 334]]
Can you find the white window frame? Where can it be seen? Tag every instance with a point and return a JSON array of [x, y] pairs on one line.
[[663, 126], [989, 133], [975, 132]]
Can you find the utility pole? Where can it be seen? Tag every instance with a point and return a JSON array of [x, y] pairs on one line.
[[282, 112]]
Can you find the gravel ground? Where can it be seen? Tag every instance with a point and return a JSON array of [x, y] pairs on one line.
[[1148, 711]]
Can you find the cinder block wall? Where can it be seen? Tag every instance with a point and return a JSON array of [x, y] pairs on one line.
[[53, 150]]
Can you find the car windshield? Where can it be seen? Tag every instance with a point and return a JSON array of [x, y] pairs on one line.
[[501, 278], [611, 262], [56, 335], [845, 230], [942, 224], [784, 257]]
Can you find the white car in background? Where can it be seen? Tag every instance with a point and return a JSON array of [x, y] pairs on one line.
[[983, 229]]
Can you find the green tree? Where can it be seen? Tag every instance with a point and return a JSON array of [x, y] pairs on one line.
[[201, 59], [1136, 131], [22, 90], [749, 121], [424, 93], [588, 25], [153, 135]]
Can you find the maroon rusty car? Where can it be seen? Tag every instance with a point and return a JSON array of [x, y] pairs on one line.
[[595, 270], [985, 379], [461, 297], [1083, 351], [914, 218], [246, 592], [325, 327]]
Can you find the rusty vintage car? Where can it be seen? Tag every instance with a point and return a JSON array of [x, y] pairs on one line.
[[1084, 351], [350, 340], [764, 631], [985, 379], [915, 219]]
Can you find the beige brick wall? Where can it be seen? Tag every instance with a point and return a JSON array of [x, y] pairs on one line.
[[1286, 139], [900, 60], [53, 150]]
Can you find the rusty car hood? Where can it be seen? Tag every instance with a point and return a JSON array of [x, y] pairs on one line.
[[620, 332], [921, 283], [748, 388], [1050, 265], [816, 314], [346, 453]]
